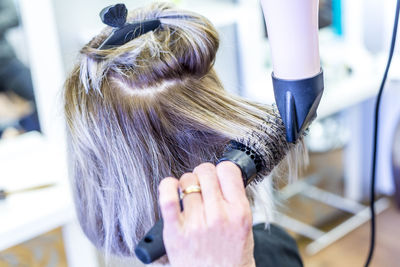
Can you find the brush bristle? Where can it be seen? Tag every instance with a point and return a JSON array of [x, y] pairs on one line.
[[268, 142]]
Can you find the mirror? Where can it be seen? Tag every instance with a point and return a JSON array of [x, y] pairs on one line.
[[18, 113]]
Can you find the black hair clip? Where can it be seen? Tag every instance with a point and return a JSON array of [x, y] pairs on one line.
[[115, 16]]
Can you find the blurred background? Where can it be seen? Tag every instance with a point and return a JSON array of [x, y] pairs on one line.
[[325, 210]]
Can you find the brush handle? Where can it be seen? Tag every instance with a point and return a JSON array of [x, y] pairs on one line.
[[244, 161], [151, 247]]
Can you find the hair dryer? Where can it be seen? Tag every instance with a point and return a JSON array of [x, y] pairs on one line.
[[297, 76]]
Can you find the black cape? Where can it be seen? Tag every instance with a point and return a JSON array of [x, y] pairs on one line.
[[274, 247]]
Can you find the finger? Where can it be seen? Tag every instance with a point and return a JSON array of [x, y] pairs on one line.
[[211, 190], [231, 182], [169, 202], [192, 202]]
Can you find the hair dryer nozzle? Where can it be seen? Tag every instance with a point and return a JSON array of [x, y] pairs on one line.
[[297, 102]]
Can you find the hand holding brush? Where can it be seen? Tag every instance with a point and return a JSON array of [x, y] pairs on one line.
[[256, 154]]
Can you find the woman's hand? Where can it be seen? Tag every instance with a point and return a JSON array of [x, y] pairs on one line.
[[215, 227]]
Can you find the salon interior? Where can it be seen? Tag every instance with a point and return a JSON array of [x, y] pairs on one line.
[[326, 210]]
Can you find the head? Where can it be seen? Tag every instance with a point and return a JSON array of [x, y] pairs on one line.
[[151, 108]]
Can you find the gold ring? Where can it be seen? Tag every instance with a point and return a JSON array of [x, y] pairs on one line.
[[190, 189]]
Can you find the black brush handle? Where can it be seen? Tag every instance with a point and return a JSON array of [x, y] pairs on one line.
[[151, 247], [243, 161]]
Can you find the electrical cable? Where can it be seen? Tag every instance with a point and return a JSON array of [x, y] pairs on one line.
[[375, 136]]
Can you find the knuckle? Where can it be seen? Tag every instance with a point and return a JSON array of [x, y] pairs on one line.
[[195, 229], [229, 169], [167, 204], [166, 182], [216, 221], [227, 165], [187, 177], [247, 224], [243, 219], [204, 167]]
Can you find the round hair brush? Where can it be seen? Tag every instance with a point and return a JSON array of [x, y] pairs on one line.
[[256, 154]]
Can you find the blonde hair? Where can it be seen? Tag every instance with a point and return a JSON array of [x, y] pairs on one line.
[[151, 108]]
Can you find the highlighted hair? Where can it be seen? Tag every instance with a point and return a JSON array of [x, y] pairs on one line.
[[151, 108]]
